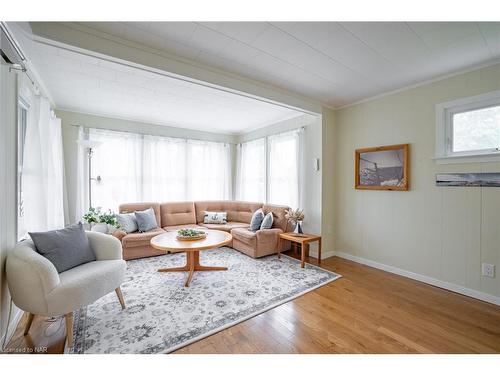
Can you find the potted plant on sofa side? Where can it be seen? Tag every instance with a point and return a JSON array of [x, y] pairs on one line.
[[99, 221]]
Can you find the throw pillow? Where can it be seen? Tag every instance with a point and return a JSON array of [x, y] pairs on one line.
[[128, 222], [256, 221], [65, 248], [267, 223], [146, 220], [215, 217]]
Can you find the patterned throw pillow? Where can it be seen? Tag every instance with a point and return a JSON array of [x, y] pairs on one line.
[[257, 218], [215, 217], [127, 222], [267, 223]]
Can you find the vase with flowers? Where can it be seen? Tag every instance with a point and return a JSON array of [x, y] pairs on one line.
[[295, 217]]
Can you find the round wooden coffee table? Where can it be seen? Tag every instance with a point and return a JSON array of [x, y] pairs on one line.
[[168, 242]]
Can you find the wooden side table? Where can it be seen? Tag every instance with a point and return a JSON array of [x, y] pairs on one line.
[[304, 241]]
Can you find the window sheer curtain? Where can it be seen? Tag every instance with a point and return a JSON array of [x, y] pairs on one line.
[[270, 169], [43, 176], [117, 160], [251, 171], [284, 168], [164, 169], [135, 167]]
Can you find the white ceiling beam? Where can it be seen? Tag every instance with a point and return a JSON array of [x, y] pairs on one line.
[[89, 41]]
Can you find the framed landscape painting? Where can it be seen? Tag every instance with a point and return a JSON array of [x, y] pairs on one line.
[[382, 168]]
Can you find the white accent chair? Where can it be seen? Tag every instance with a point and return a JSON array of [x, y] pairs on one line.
[[37, 288]]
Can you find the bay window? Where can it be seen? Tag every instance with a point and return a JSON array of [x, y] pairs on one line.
[[129, 167], [269, 169]]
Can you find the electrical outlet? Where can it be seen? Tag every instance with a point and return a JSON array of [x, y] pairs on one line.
[[488, 270]]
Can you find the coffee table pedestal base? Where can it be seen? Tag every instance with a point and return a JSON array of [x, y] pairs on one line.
[[192, 264]]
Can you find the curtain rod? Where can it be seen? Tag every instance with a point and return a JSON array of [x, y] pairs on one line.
[[151, 135]]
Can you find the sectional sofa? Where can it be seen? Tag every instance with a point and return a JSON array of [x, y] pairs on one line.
[[172, 216]]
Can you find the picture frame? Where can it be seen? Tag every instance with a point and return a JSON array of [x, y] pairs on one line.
[[382, 168]]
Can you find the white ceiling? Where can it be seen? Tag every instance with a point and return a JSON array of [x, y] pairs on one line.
[[335, 63], [80, 83]]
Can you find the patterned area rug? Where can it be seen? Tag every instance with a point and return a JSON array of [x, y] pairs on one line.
[[162, 315]]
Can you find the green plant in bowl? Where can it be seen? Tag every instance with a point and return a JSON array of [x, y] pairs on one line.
[[190, 233]]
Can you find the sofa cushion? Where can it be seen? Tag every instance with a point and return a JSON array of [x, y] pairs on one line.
[[132, 207], [127, 222], [244, 235], [65, 248], [225, 227], [140, 239], [257, 218], [279, 212], [177, 213], [172, 228], [236, 211], [146, 220]]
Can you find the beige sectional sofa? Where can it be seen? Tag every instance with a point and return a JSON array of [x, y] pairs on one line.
[[172, 216]]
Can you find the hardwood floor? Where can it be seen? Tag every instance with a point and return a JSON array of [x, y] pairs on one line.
[[366, 311]]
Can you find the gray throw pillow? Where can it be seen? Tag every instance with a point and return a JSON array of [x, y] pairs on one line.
[[65, 248], [257, 218], [267, 223], [128, 222], [146, 220]]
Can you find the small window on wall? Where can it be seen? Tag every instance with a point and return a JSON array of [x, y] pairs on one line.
[[22, 123], [469, 128]]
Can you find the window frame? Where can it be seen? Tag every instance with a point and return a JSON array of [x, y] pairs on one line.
[[444, 129]]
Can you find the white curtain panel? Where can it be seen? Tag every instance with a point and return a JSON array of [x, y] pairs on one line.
[[42, 170], [284, 153], [118, 161], [82, 203], [208, 170], [164, 169], [251, 171], [135, 168]]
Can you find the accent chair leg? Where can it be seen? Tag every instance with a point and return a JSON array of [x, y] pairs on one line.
[[69, 328], [28, 323], [120, 297]]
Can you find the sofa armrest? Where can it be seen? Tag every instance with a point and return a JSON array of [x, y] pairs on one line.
[[105, 247], [268, 235], [119, 234]]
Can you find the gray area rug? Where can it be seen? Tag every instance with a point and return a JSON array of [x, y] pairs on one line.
[[162, 315]]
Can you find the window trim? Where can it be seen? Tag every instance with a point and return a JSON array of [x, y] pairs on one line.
[[22, 105], [444, 129]]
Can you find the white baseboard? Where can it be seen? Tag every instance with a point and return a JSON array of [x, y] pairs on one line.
[[425, 279], [18, 314], [324, 254]]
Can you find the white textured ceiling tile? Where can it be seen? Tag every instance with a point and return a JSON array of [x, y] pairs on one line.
[[326, 61], [112, 28], [207, 39], [404, 45], [491, 33], [245, 32], [439, 34], [143, 37], [181, 32], [109, 89]]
